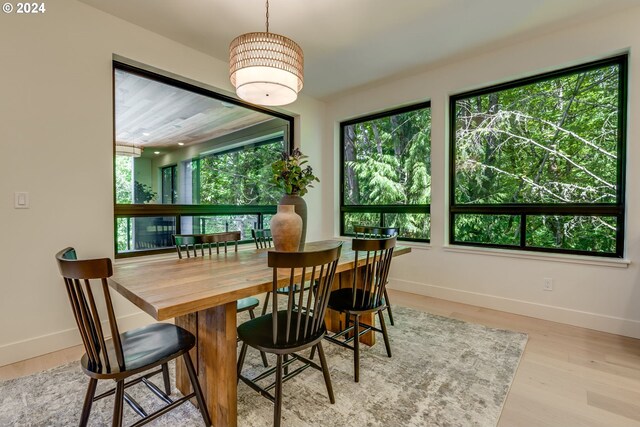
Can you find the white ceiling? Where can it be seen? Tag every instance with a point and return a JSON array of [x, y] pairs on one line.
[[349, 43], [152, 114]]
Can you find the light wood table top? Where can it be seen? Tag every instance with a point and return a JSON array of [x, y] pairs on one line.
[[166, 287]]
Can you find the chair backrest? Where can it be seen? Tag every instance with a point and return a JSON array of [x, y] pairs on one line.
[[224, 237], [319, 269], [368, 231], [77, 275], [370, 280], [190, 242], [262, 238]]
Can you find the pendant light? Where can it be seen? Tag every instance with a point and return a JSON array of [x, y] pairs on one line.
[[128, 150], [266, 68]]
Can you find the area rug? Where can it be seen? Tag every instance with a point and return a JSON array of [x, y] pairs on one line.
[[444, 372]]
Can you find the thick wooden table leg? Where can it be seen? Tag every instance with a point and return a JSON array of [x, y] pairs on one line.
[[335, 321], [216, 361], [190, 323]]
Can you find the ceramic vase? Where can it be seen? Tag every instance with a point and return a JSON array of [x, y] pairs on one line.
[[286, 229], [300, 209]]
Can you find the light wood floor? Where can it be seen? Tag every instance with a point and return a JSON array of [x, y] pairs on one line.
[[568, 376]]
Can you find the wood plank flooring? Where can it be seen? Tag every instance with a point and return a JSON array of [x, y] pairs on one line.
[[568, 376]]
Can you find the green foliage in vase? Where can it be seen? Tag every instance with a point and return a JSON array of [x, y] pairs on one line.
[[291, 175]]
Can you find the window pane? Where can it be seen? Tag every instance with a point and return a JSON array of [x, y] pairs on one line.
[[412, 226], [169, 193], [553, 141], [582, 233], [266, 221], [190, 146], [124, 234], [219, 224], [236, 145], [133, 181], [124, 179], [144, 233], [387, 161], [547, 144], [241, 177], [487, 229], [359, 218]]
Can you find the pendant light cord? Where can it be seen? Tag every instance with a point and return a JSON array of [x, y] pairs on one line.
[[267, 15]]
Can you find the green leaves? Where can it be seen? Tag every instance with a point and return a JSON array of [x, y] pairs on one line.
[[241, 177], [290, 174], [553, 141]]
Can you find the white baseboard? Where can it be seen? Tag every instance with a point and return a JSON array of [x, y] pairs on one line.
[[599, 322], [33, 347]]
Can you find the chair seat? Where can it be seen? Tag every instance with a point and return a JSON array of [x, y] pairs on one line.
[[258, 333], [342, 300], [143, 348], [245, 304]]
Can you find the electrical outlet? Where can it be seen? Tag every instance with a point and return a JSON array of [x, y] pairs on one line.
[[547, 284]]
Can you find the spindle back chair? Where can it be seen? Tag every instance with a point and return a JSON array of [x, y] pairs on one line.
[[192, 240], [296, 323], [262, 238], [375, 232], [124, 354], [364, 295]]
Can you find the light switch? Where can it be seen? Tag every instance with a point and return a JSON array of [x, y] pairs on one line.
[[21, 199]]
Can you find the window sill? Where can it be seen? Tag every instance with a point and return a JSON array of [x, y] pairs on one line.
[[570, 259]]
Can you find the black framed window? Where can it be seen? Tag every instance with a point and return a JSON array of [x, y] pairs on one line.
[[202, 163], [169, 193], [538, 164], [386, 171]]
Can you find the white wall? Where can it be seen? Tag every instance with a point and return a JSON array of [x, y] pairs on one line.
[[56, 135], [604, 297]]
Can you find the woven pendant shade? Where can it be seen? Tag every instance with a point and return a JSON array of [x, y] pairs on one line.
[[266, 68], [128, 150]]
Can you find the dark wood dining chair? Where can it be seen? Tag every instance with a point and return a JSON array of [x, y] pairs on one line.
[[224, 238], [190, 242], [374, 232], [365, 295], [262, 238], [286, 332], [124, 354]]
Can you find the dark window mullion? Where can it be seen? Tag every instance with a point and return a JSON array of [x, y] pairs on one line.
[[174, 170], [541, 209]]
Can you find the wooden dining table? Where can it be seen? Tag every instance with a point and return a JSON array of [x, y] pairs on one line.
[[200, 294]]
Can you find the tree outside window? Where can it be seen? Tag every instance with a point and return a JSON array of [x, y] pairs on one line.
[[538, 164], [386, 176]]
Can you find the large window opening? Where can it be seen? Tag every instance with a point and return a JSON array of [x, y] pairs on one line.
[[169, 193], [538, 164], [386, 172], [189, 160]]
